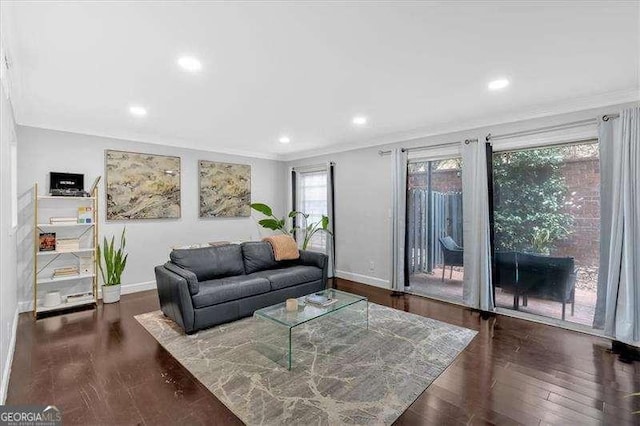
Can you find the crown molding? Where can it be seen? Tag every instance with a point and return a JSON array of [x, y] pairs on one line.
[[540, 111]]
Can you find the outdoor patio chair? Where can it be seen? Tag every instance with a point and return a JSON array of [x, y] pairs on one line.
[[452, 253]]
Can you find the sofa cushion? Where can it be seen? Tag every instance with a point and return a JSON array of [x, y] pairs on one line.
[[288, 277], [258, 256], [210, 262], [222, 290]]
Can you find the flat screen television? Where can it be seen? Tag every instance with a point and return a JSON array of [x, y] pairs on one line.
[[65, 182]]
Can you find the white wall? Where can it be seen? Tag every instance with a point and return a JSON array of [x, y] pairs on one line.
[[8, 281], [148, 241], [363, 196]]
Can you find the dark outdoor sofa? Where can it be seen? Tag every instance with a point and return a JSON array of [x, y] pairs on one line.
[[202, 287], [536, 275]]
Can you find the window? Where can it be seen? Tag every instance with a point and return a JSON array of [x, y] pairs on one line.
[[311, 198]]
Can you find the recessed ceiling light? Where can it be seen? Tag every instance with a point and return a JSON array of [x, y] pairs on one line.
[[498, 84], [359, 120], [284, 139], [138, 111], [189, 63]]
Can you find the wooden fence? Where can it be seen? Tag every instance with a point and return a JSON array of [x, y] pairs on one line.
[[431, 215]]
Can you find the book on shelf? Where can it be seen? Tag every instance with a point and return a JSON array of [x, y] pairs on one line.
[[68, 244], [320, 300], [80, 297], [67, 271], [47, 241], [85, 215], [62, 220]]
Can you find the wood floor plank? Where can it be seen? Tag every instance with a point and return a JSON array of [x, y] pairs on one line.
[[102, 367]]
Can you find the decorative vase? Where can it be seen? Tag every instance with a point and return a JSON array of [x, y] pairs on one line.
[[110, 293], [291, 305]]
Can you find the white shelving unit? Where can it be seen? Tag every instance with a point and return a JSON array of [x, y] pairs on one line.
[[63, 225], [57, 253], [69, 278], [43, 281]]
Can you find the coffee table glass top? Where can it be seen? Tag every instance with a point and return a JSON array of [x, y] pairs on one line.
[[307, 311]]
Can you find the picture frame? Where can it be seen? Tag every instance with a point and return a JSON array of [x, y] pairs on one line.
[[142, 186], [224, 189]]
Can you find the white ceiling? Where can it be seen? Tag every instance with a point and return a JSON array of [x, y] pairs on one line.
[[306, 69]]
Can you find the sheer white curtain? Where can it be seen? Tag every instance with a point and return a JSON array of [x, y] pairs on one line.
[[477, 291], [618, 305], [314, 195], [398, 218]]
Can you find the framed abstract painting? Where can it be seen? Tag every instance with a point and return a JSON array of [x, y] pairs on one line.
[[142, 186], [225, 189]]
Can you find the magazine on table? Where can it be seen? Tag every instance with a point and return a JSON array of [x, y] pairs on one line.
[[320, 300]]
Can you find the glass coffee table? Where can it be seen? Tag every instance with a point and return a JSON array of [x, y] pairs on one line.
[[275, 325]]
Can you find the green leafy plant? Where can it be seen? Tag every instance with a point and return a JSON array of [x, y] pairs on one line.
[[529, 197], [272, 222], [114, 260], [281, 224], [541, 240]]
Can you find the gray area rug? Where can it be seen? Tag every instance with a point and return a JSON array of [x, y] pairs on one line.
[[342, 373]]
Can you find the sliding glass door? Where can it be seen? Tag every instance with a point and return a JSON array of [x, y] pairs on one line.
[[434, 227], [546, 217]]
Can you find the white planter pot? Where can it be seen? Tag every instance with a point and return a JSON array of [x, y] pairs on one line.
[[111, 293]]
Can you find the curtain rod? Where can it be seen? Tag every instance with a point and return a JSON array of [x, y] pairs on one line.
[[421, 148], [563, 126], [313, 166]]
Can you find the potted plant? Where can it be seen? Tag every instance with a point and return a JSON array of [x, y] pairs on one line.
[[308, 230], [114, 264]]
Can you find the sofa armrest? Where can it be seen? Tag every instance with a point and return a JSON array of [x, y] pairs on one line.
[[190, 277], [319, 260], [313, 258], [175, 300]]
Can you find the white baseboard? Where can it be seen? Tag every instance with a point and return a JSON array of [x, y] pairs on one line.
[[365, 279], [6, 371], [27, 306], [134, 288]]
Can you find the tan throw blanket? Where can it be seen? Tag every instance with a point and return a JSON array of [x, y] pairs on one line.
[[284, 247]]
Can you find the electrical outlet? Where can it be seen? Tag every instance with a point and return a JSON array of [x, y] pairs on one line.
[[372, 265]]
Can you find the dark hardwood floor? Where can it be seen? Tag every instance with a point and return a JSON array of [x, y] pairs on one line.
[[102, 367]]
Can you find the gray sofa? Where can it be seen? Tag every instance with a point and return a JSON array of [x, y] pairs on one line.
[[202, 287]]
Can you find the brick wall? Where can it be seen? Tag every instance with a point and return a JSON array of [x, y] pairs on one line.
[[583, 203], [583, 192], [441, 181]]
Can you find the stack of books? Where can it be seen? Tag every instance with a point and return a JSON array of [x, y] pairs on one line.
[[68, 244], [62, 220], [80, 297], [67, 271]]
